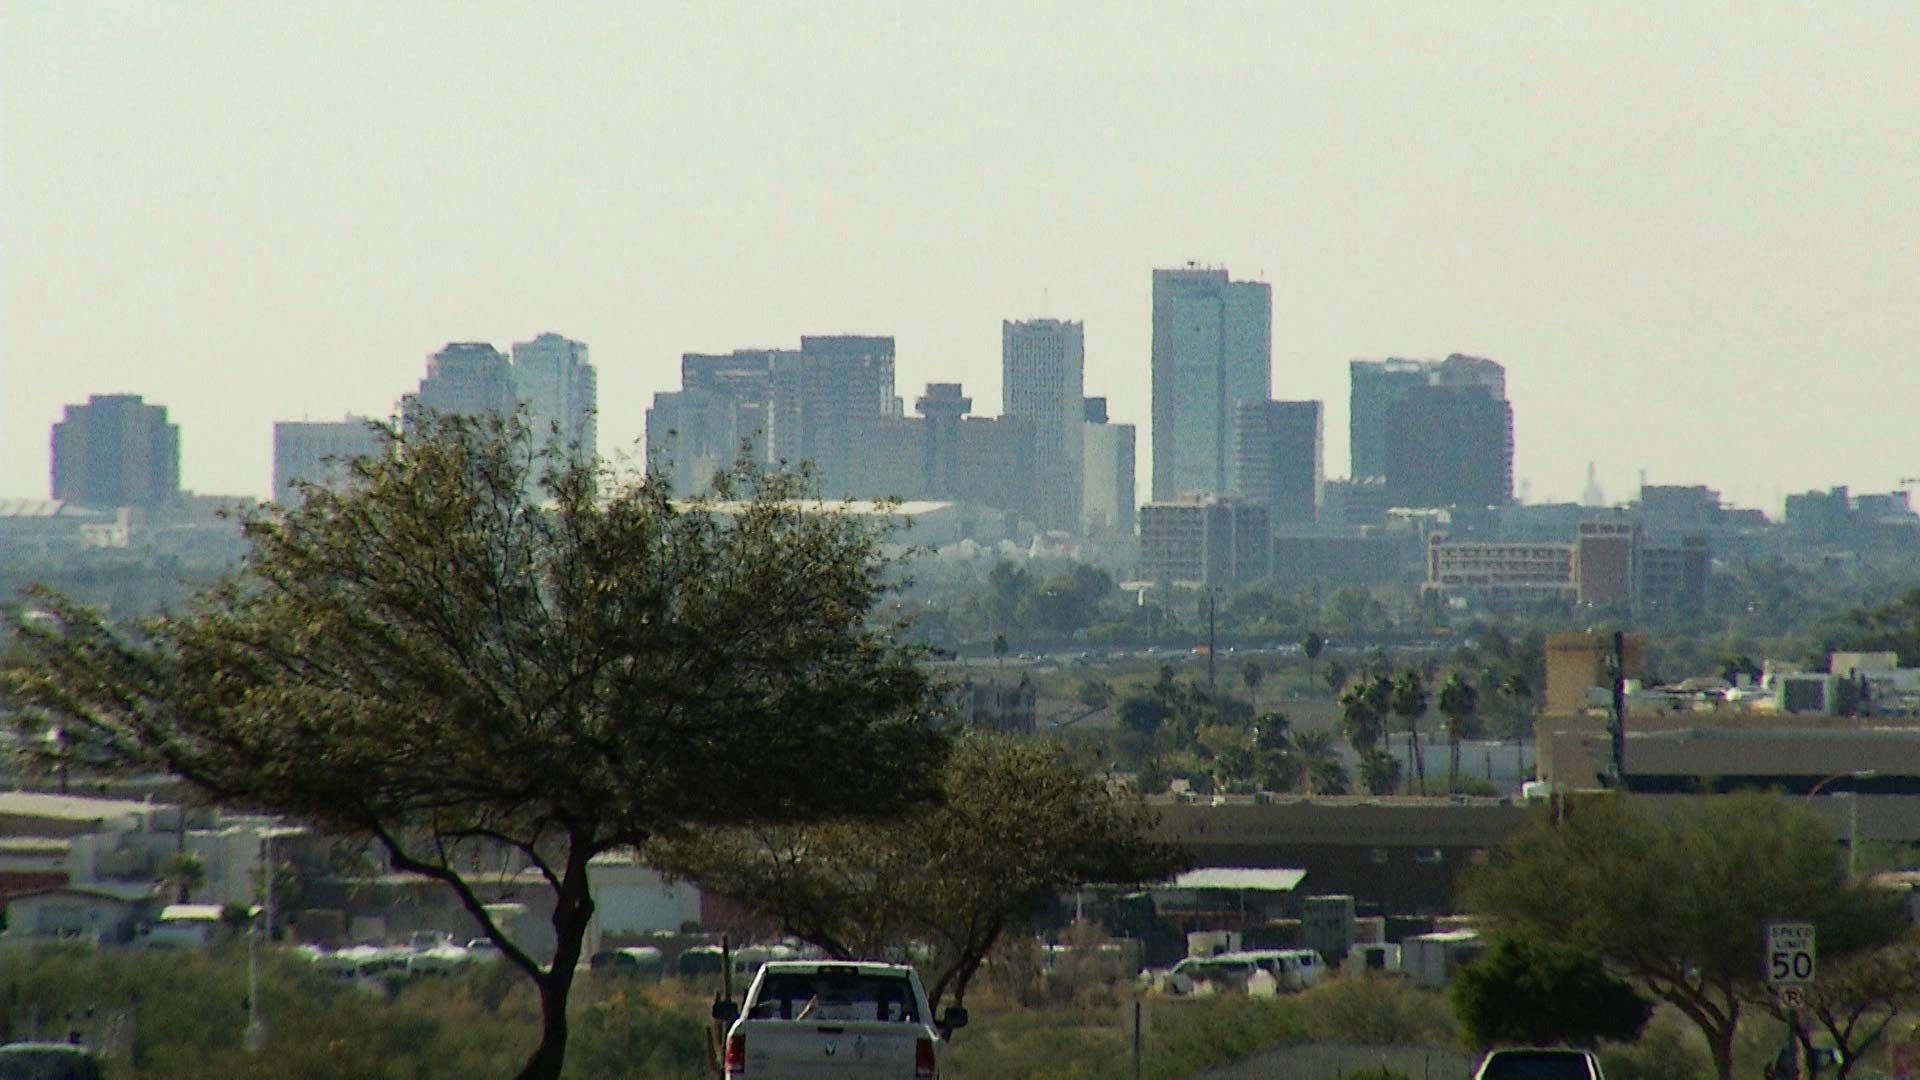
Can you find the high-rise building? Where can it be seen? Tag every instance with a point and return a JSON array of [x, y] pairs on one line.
[[718, 415], [1439, 431], [319, 453], [1042, 375], [1376, 386], [1108, 499], [782, 406], [941, 408], [1280, 450], [1212, 349], [465, 379], [116, 450], [556, 386], [1450, 446], [821, 396]]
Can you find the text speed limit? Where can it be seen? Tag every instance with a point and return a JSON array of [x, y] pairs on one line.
[[1790, 956]]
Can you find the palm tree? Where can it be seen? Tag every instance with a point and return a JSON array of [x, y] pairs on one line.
[[1409, 702], [1277, 765], [1458, 701], [1319, 763], [1329, 777], [1311, 647], [1361, 713], [183, 872], [1380, 772], [1251, 673], [1518, 690], [1335, 677]]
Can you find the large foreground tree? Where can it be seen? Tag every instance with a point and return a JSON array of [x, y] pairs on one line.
[[477, 644], [1679, 902], [1020, 823]]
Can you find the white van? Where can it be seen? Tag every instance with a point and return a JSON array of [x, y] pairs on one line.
[[1290, 969]]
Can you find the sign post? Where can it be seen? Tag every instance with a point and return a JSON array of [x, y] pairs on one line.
[[1789, 965]]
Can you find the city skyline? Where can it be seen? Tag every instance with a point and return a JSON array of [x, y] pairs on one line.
[[1685, 233]]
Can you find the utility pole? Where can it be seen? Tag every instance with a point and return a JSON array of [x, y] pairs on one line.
[[1213, 596], [1617, 723]]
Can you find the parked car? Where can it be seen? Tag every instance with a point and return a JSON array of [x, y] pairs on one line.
[[48, 1061], [1291, 969], [1539, 1063]]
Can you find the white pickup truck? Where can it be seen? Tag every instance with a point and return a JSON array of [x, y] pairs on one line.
[[823, 1018]]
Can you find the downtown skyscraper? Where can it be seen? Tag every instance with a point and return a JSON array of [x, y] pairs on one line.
[[556, 386], [1042, 378], [1438, 432], [1212, 350], [548, 381], [116, 450]]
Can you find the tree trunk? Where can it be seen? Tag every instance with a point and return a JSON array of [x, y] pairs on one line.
[[572, 910], [1413, 751], [551, 1054], [1720, 1044], [1453, 765]]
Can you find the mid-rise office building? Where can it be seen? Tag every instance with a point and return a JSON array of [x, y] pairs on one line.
[[319, 453], [1212, 349], [1042, 377], [1608, 563], [1606, 556], [1673, 574], [1108, 494], [116, 450], [1498, 573], [1205, 541], [556, 386], [1280, 450], [1353, 504]]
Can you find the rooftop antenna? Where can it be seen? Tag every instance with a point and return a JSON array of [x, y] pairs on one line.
[[1593, 496]]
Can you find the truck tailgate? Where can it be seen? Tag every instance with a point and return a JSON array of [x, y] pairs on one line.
[[804, 1049]]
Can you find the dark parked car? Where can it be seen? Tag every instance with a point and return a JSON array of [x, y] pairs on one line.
[[47, 1061], [1539, 1064]]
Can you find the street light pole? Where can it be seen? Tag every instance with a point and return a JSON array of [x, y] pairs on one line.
[[1853, 813], [256, 1039], [1853, 837]]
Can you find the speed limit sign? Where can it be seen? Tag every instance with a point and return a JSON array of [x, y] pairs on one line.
[[1789, 953]]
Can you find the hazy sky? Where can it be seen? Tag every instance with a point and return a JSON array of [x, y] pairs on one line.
[[1691, 231]]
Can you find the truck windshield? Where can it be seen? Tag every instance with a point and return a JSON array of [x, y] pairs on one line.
[[1537, 1065], [835, 995]]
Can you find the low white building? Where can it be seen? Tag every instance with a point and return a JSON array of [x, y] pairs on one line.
[[98, 913], [630, 899], [1431, 959]]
